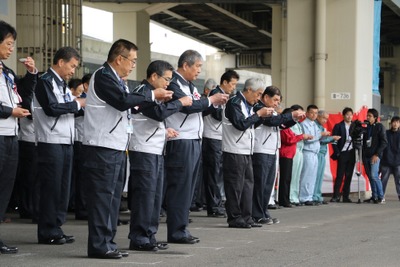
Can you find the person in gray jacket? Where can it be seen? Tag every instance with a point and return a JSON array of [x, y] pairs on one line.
[[12, 92], [183, 152], [107, 125], [147, 160], [211, 148], [53, 116], [238, 145], [266, 144]]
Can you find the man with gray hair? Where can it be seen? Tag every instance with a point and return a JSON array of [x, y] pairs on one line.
[[237, 145], [182, 159], [208, 86], [321, 120]]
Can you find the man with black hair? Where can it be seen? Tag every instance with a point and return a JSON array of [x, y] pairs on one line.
[[14, 92], [310, 154], [212, 150], [266, 144], [344, 153], [147, 160], [390, 163], [374, 143], [54, 109]]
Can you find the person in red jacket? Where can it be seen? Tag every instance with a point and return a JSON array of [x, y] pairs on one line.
[[286, 154]]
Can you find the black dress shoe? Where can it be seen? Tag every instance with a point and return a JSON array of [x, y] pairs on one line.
[[254, 224], [144, 247], [218, 214], [272, 207], [161, 245], [122, 222], [370, 200], [122, 252], [309, 203], [347, 200], [240, 225], [69, 238], [111, 254], [4, 249], [335, 199], [53, 241], [186, 240]]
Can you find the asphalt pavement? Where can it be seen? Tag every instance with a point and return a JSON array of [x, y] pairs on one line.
[[337, 234]]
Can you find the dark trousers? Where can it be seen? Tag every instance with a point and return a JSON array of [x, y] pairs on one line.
[[238, 183], [345, 168], [27, 186], [54, 172], [8, 169], [104, 172], [264, 169], [385, 173], [212, 174], [285, 177], [78, 181], [182, 167], [198, 195], [145, 195]]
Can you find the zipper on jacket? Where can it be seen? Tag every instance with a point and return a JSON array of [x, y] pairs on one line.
[[55, 123], [152, 134], [183, 122], [240, 137], [120, 119], [266, 139]]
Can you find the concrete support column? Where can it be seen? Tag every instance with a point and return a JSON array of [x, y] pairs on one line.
[[278, 57], [300, 50], [350, 29], [320, 55], [135, 27]]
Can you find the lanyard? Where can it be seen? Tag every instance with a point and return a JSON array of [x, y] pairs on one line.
[[12, 86]]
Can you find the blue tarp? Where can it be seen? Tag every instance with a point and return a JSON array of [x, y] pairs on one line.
[[377, 33]]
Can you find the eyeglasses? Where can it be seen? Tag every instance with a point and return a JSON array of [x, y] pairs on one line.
[[10, 45], [167, 79], [132, 61]]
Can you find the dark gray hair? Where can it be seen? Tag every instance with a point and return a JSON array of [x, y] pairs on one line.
[[190, 57]]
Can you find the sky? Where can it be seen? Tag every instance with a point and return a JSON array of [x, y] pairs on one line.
[[162, 40]]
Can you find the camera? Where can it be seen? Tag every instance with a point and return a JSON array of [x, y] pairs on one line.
[[356, 132]]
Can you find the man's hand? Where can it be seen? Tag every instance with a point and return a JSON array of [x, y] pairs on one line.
[[325, 133], [82, 101], [374, 159], [171, 133], [29, 64], [265, 112], [162, 95], [307, 137], [218, 99], [186, 101], [298, 114], [20, 112]]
